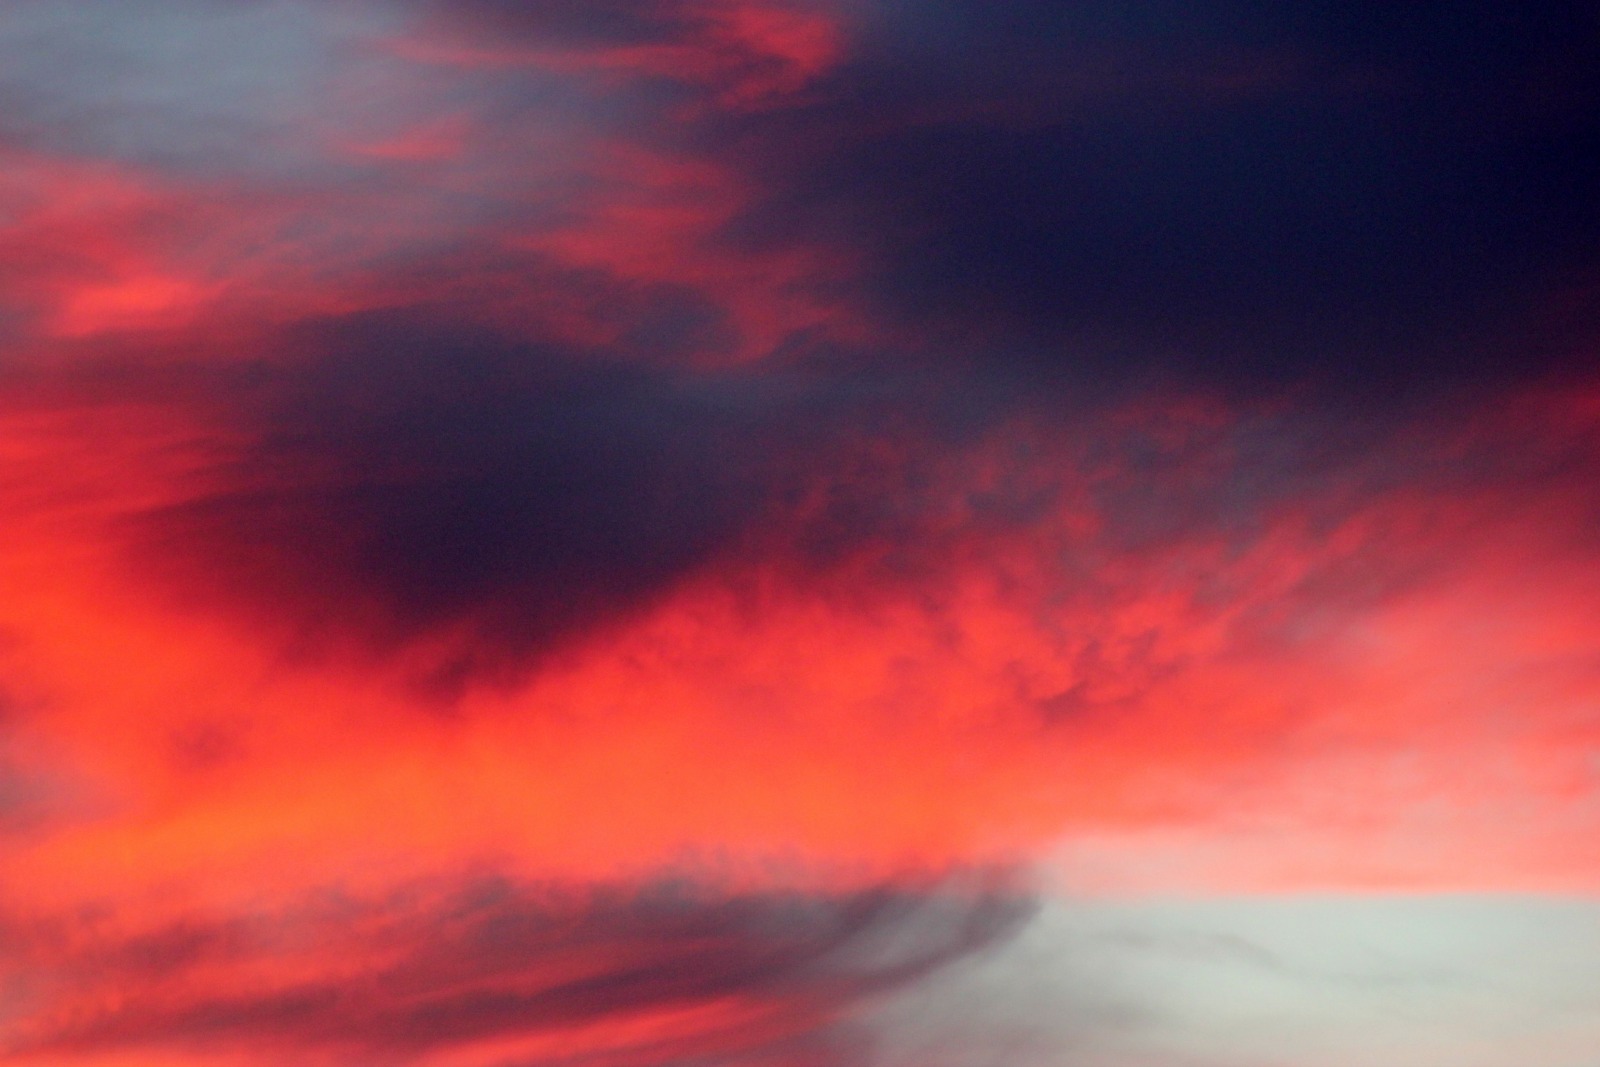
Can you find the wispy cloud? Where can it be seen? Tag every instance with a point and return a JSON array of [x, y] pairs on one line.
[[812, 449]]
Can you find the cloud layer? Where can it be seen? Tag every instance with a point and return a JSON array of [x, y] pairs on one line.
[[589, 532]]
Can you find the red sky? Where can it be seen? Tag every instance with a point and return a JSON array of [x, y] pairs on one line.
[[631, 533]]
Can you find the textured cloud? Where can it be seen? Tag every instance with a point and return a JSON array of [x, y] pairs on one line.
[[1219, 193], [809, 451], [487, 971]]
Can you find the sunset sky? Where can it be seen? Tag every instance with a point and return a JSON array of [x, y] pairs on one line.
[[799, 533]]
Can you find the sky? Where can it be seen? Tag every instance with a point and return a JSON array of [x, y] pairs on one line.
[[799, 533]]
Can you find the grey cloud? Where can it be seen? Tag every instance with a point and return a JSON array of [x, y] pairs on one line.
[[491, 959]]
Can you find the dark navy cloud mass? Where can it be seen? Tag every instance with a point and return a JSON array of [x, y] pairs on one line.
[[1250, 196]]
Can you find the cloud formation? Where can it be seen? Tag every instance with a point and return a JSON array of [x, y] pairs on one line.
[[485, 970], [720, 470]]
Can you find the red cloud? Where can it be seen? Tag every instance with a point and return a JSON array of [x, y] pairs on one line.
[[639, 441]]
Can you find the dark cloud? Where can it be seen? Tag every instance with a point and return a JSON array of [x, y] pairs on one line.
[[1052, 206], [403, 474], [434, 475], [492, 960], [1226, 193], [408, 481]]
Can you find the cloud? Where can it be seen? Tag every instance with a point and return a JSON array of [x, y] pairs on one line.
[[397, 474], [827, 440], [495, 971], [735, 54], [1217, 195]]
